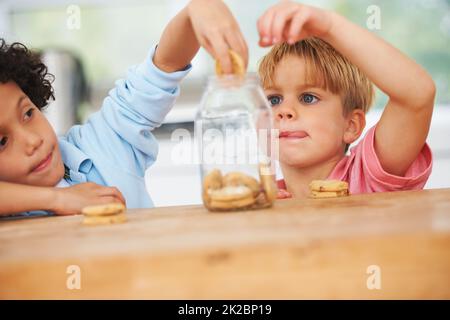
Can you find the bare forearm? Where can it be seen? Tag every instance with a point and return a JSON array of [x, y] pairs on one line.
[[178, 44], [15, 198], [391, 71]]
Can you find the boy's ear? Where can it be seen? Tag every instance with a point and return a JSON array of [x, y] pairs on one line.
[[356, 122]]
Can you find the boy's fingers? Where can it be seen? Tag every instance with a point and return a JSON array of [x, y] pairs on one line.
[[204, 42], [213, 51], [109, 199], [286, 30], [119, 195], [244, 47], [265, 27], [279, 23], [295, 31], [112, 192], [236, 45], [221, 53], [283, 194]]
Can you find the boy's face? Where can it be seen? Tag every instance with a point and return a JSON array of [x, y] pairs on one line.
[[29, 151], [310, 120]]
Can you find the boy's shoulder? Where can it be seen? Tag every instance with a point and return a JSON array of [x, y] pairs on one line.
[[364, 173], [72, 156]]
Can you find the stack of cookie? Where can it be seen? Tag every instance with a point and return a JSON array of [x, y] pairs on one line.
[[231, 197], [104, 214], [328, 189], [237, 191]]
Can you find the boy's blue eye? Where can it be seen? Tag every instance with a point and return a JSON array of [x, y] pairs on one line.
[[308, 98], [274, 100]]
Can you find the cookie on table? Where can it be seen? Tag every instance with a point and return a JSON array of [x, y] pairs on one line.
[[328, 189], [104, 214], [103, 220], [328, 194], [328, 185], [103, 210]]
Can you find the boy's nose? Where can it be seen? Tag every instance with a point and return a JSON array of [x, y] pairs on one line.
[[33, 142], [285, 114]]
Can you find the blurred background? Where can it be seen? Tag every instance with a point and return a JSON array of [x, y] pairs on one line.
[[88, 45]]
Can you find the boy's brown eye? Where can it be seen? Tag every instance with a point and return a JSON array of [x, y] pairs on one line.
[[29, 113], [3, 141]]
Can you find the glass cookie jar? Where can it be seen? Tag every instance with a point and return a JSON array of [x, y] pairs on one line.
[[237, 144]]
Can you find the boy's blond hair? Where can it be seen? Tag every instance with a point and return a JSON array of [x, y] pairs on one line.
[[326, 68]]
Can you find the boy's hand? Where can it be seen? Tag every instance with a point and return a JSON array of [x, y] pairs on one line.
[[217, 31], [73, 199], [290, 22], [283, 194]]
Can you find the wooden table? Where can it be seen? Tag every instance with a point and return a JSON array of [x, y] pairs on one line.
[[298, 249]]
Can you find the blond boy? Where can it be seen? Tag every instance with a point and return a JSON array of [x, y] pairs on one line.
[[318, 78]]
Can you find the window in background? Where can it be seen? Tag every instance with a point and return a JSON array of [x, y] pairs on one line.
[[419, 28], [112, 37]]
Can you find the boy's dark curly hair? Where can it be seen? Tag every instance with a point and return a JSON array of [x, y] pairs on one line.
[[25, 68]]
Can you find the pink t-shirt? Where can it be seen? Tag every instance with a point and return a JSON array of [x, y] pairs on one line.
[[364, 174]]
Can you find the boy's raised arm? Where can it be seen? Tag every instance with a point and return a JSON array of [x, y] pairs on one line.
[[206, 23], [403, 128], [402, 131]]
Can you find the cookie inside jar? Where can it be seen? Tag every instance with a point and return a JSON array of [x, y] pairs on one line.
[[236, 190]]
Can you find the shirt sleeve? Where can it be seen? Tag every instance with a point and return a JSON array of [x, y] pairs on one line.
[[120, 132], [367, 174]]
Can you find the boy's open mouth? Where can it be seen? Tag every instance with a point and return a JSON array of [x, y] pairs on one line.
[[293, 134], [43, 164]]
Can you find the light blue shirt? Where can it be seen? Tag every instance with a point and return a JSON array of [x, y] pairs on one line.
[[116, 145]]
